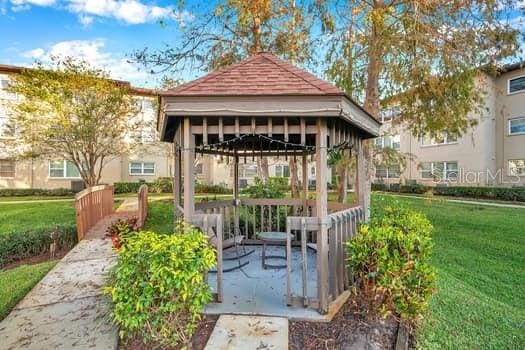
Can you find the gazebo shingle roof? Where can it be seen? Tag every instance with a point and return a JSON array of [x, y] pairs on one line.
[[260, 74]]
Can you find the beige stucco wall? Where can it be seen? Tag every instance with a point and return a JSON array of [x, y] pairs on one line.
[[509, 146], [483, 151], [35, 173]]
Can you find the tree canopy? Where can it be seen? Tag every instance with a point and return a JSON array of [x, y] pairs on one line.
[[74, 112]]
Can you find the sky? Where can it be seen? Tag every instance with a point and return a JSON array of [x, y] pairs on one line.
[[103, 32]]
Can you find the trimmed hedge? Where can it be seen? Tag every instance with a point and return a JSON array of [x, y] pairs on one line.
[[24, 244], [24, 192], [213, 189], [128, 187], [516, 194]]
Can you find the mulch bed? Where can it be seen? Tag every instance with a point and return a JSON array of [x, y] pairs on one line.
[[198, 341], [353, 327], [35, 259]]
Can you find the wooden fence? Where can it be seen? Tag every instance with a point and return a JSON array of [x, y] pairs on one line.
[[92, 205], [142, 206]]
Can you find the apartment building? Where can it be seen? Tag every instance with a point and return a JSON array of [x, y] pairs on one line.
[[490, 154], [217, 171], [150, 158]]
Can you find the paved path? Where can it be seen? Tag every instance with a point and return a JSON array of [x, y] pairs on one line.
[[66, 309], [235, 332], [463, 201]]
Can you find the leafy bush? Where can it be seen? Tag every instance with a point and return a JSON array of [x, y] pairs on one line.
[[22, 192], [275, 188], [24, 244], [158, 286], [516, 194], [121, 229], [127, 187], [213, 189], [162, 185], [391, 257]]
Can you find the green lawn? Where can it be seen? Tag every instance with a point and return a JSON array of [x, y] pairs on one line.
[[479, 254], [16, 283], [24, 216]]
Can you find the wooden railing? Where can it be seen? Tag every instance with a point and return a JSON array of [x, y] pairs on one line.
[[92, 205], [333, 278], [260, 214], [142, 205]]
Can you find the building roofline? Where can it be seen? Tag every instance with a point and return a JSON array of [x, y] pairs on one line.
[[512, 67], [5, 68]]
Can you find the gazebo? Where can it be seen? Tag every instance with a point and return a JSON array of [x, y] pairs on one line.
[[266, 107]]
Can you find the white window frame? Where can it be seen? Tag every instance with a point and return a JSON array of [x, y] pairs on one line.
[[142, 169], [14, 169], [382, 143], [444, 143], [445, 176], [508, 85], [509, 133], [64, 170], [508, 168]]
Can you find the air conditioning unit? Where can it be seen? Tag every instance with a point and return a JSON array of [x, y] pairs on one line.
[[77, 186]]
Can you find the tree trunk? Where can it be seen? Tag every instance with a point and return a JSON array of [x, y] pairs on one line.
[[294, 179], [263, 169], [342, 182]]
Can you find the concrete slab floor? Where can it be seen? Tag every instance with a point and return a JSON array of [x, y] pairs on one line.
[[255, 291], [234, 332]]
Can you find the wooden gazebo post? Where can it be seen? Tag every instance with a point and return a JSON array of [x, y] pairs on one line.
[[321, 199], [189, 171]]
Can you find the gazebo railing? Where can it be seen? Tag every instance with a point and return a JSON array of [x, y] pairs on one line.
[[333, 279], [260, 214], [256, 214]]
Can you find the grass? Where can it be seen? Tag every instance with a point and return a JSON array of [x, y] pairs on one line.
[[16, 283], [24, 216], [479, 255]]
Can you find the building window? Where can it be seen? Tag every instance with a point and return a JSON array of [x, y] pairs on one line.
[[248, 170], [393, 171], [61, 169], [439, 170], [517, 126], [142, 168], [389, 141], [199, 169], [7, 168], [516, 85], [441, 139], [4, 83], [517, 167], [282, 170], [312, 171]]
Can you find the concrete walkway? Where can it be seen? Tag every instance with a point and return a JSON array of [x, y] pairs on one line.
[[234, 332], [66, 309]]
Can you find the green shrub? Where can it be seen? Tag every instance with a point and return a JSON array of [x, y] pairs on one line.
[[162, 185], [24, 244], [275, 188], [391, 257], [516, 194], [213, 189], [158, 288], [23, 192], [127, 187]]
